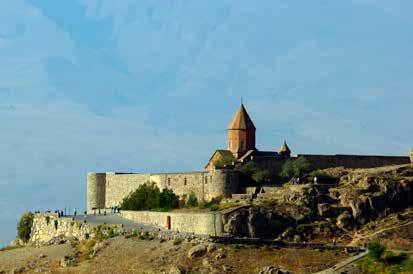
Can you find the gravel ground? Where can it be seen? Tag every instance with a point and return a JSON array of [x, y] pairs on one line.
[[33, 258]]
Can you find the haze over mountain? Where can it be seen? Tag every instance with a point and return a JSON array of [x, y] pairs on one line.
[[105, 85]]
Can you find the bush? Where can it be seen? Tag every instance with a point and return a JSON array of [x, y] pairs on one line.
[[24, 227], [257, 173], [295, 168], [192, 201], [376, 250], [149, 197], [212, 205], [177, 242]]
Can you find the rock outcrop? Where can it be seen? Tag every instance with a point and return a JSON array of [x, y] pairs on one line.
[[256, 222]]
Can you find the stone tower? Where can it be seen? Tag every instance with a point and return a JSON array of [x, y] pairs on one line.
[[241, 133]]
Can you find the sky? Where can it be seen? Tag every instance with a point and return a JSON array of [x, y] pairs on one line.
[[141, 86]]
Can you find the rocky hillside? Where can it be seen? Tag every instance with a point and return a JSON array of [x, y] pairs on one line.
[[343, 200]]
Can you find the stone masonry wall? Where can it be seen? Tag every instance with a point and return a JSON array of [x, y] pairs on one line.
[[209, 223], [205, 185], [96, 190], [44, 229], [353, 161]]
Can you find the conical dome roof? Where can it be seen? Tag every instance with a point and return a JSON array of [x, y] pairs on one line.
[[284, 149], [241, 120]]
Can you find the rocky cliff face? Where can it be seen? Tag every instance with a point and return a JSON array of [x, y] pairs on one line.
[[346, 199], [255, 222], [369, 194]]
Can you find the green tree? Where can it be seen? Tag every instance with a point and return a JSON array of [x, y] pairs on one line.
[[192, 201], [168, 199], [24, 227], [295, 168], [376, 250], [149, 197]]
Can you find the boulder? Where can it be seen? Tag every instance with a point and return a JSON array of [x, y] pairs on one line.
[[211, 247], [98, 246], [17, 270], [177, 269], [323, 209], [273, 270], [197, 251], [345, 220], [235, 224], [258, 222], [220, 254]]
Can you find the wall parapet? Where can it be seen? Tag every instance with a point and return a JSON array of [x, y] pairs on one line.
[[200, 223]]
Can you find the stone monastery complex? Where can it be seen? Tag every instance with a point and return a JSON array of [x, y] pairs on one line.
[[220, 178]]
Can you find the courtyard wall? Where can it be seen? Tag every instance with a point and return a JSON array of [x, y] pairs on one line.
[[202, 223]]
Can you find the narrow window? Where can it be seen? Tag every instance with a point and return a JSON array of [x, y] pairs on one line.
[[169, 181], [185, 181], [206, 179]]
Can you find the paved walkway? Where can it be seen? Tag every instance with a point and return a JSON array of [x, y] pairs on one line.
[[115, 219]]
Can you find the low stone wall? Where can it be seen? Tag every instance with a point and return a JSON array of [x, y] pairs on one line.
[[48, 226], [208, 223]]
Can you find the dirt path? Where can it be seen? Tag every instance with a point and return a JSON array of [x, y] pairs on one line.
[[359, 237]]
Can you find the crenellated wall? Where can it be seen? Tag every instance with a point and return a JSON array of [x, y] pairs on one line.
[[105, 190]]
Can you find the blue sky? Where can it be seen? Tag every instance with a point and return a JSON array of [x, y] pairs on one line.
[[149, 85]]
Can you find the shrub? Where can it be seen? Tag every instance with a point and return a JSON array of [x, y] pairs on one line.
[[257, 173], [192, 201], [24, 227], [168, 199], [149, 197], [376, 250], [177, 242], [212, 205], [47, 220], [295, 168], [56, 224]]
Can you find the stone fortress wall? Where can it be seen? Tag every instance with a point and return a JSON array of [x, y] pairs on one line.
[[49, 226], [105, 190], [200, 223], [353, 161]]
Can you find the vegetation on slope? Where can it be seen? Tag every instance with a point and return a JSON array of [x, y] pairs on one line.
[[381, 261], [24, 227], [295, 168]]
